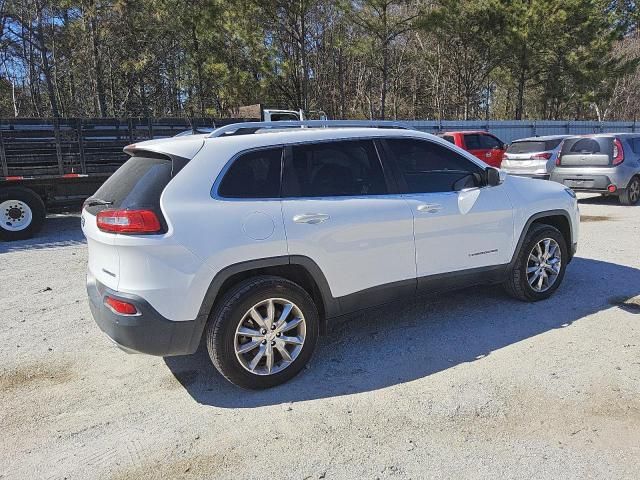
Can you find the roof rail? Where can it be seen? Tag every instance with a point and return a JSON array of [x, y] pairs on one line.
[[244, 128]]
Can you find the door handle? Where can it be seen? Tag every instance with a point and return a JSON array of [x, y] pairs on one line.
[[488, 154], [429, 207], [310, 218]]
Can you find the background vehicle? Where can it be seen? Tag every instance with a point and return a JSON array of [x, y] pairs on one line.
[[484, 145], [608, 164], [256, 240], [532, 157], [55, 164]]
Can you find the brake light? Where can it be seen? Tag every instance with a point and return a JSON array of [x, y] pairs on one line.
[[541, 156], [618, 152], [128, 221], [559, 152], [120, 306]]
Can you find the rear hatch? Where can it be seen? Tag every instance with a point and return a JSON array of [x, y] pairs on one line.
[[530, 156], [587, 152], [137, 185]]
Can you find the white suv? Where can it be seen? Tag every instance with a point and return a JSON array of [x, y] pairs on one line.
[[257, 241]]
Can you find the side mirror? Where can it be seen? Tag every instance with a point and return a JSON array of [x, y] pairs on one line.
[[493, 177]]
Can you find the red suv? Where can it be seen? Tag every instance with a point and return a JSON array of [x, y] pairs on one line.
[[485, 146]]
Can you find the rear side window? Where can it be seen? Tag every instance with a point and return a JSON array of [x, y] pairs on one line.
[[137, 184], [473, 141], [635, 145], [449, 139], [253, 175], [334, 169], [533, 146], [489, 142], [428, 167]]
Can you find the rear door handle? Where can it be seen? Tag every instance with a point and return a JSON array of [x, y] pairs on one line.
[[311, 218], [429, 207]]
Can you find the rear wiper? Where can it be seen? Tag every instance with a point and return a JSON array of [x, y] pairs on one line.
[[93, 202]]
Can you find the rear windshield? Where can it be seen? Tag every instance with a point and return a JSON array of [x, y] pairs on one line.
[[135, 185], [533, 146], [588, 146]]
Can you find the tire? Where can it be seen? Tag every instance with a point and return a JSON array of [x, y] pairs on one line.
[[22, 213], [631, 194], [234, 310], [517, 284]]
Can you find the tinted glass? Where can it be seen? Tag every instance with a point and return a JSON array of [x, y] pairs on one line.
[[136, 184], [587, 146], [449, 139], [472, 142], [635, 145], [488, 141], [253, 175], [428, 167], [533, 146], [334, 169]]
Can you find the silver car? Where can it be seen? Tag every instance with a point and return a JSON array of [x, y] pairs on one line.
[[607, 163], [532, 157]]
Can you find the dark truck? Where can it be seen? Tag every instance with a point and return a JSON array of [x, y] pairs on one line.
[[49, 165]]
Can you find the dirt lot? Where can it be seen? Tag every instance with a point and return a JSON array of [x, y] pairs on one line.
[[468, 385]]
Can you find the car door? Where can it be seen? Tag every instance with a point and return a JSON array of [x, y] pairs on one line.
[[459, 224], [339, 211], [493, 148]]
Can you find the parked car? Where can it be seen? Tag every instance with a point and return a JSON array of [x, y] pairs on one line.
[[258, 241], [484, 145], [532, 157], [607, 163]]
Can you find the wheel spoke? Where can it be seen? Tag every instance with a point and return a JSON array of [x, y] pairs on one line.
[[248, 332], [255, 315], [283, 316], [290, 325], [534, 278], [541, 280], [269, 354], [271, 313], [532, 269], [254, 362], [283, 351], [247, 347], [293, 340]]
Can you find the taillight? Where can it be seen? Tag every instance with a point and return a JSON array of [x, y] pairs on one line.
[[541, 156], [128, 221], [559, 152], [618, 152], [120, 306]]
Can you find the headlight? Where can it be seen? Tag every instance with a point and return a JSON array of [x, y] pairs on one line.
[[570, 192]]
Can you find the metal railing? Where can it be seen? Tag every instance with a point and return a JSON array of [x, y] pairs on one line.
[[245, 128]]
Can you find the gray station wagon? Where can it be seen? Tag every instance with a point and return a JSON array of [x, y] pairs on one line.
[[607, 163]]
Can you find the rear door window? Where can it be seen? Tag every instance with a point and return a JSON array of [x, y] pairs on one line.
[[472, 141], [489, 142], [253, 174], [427, 167], [334, 169], [137, 184], [449, 139]]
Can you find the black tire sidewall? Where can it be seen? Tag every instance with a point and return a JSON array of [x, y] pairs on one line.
[[38, 212], [532, 239], [222, 327], [627, 200]]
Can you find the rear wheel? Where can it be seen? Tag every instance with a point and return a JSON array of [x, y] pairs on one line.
[[540, 265], [22, 213], [631, 194], [263, 332]]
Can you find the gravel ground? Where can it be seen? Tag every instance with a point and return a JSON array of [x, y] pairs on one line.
[[467, 385]]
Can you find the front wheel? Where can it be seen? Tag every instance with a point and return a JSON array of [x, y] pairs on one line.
[[540, 265], [22, 213], [263, 332]]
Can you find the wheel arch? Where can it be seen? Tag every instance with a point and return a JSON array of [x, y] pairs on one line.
[[559, 219], [298, 269]]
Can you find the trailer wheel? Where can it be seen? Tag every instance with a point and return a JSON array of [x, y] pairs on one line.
[[22, 213]]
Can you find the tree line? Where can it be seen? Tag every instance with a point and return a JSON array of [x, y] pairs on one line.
[[378, 59]]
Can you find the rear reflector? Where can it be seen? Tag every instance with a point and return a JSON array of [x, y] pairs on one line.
[[612, 188], [128, 221], [120, 307]]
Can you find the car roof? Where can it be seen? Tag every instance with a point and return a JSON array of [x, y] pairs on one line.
[[452, 132], [542, 137]]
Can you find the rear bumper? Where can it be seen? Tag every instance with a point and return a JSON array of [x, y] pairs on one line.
[[148, 332], [593, 179]]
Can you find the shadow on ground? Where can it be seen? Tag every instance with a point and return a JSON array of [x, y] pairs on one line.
[[59, 230], [599, 200], [402, 342]]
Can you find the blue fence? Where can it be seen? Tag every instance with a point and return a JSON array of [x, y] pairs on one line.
[[510, 130]]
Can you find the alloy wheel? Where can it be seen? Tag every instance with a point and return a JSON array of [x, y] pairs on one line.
[[270, 336], [544, 264]]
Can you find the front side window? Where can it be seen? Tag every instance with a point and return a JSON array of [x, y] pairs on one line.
[[253, 175], [334, 169], [428, 167]]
